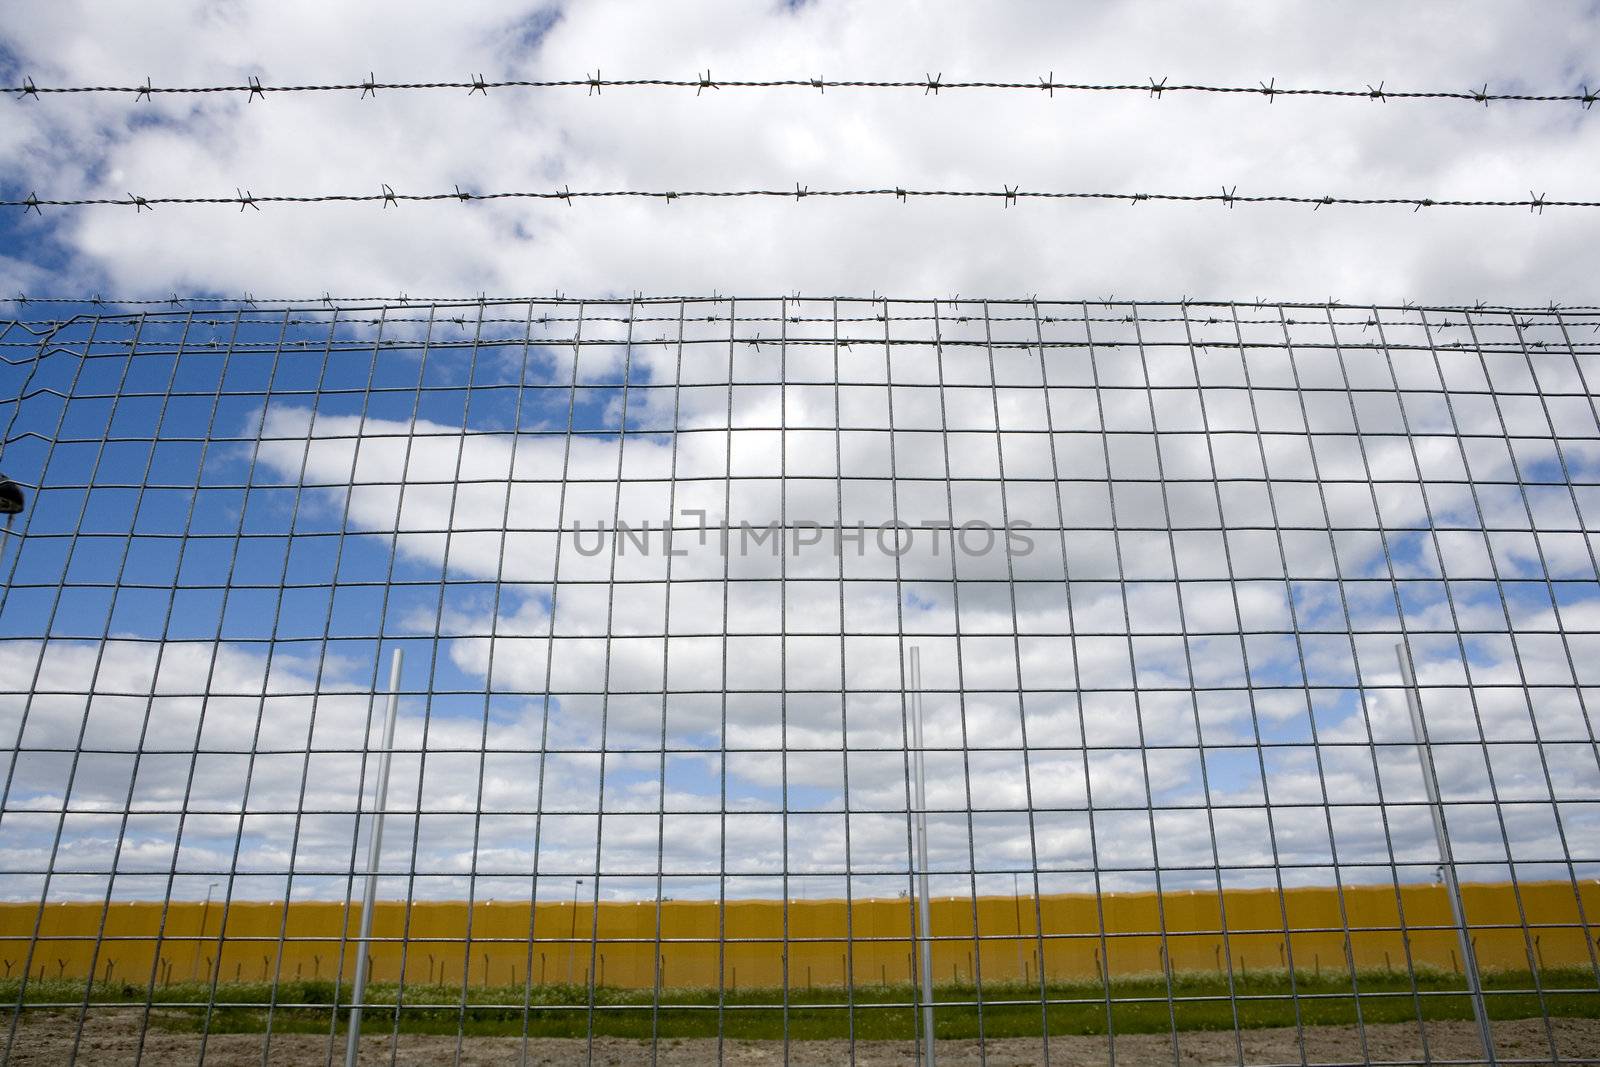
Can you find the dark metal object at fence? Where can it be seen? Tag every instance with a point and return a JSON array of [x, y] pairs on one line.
[[12, 499]]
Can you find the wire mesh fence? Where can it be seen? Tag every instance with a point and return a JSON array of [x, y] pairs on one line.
[[1256, 646]]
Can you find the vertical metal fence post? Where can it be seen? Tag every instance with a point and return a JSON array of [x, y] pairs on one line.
[[1447, 862], [374, 849], [925, 946]]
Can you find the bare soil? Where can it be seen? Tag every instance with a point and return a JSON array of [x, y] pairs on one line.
[[111, 1037]]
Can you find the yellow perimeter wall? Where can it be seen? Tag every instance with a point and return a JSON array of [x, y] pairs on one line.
[[320, 936]]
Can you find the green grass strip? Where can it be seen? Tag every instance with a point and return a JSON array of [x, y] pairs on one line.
[[1134, 1005]]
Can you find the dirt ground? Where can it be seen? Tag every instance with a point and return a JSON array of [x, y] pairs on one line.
[[112, 1037]]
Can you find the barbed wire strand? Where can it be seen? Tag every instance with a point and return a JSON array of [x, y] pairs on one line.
[[387, 196], [930, 84], [328, 301]]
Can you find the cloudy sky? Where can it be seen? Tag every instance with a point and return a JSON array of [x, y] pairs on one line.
[[674, 139], [1230, 544], [1185, 664]]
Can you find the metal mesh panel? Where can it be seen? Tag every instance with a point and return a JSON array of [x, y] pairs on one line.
[[658, 567]]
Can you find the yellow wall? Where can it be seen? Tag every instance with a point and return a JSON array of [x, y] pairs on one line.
[[825, 937]]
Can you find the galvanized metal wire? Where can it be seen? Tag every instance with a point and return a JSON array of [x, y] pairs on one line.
[[386, 196], [1155, 557], [930, 84]]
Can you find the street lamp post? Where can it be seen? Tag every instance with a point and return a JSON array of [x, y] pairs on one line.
[[1016, 907], [572, 933], [205, 914]]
